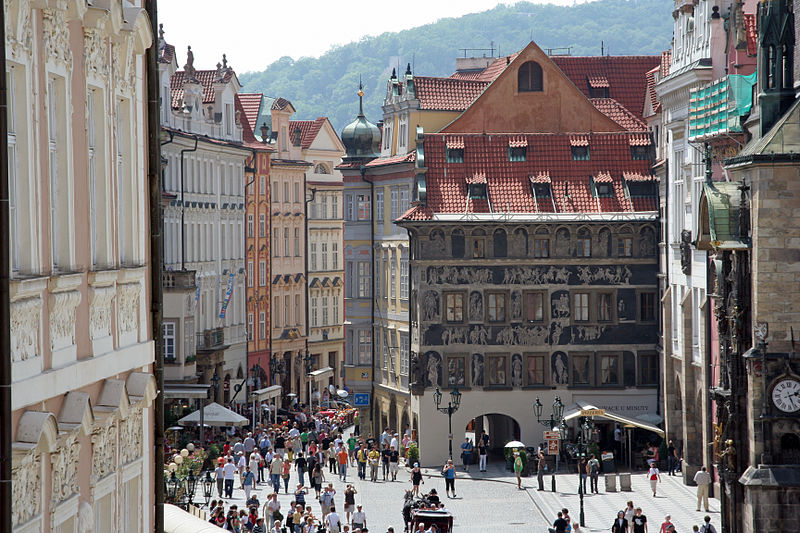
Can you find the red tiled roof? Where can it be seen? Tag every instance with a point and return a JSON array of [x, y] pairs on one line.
[[166, 53], [478, 177], [652, 95], [636, 176], [308, 130], [579, 140], [625, 76], [641, 139], [207, 78], [447, 94], [454, 142], [666, 61], [517, 142], [410, 157], [619, 114], [280, 104], [251, 105], [597, 81], [603, 177], [750, 28], [489, 73], [509, 183]]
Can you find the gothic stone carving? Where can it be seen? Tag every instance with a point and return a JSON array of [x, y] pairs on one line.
[[65, 469], [25, 319], [95, 50], [516, 370], [476, 306], [129, 294], [56, 37], [560, 368], [431, 306], [686, 252], [100, 311], [26, 486], [131, 437], [434, 369], [104, 441], [477, 370], [62, 317]]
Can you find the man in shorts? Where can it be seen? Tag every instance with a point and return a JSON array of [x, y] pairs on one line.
[[394, 462]]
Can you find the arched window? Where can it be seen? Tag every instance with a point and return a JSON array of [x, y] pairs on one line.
[[321, 169], [457, 243], [500, 243], [529, 77]]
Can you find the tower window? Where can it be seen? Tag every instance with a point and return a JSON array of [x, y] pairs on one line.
[[529, 77]]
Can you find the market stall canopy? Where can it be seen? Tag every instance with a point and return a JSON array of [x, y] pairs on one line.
[[581, 408], [322, 373], [266, 393], [214, 415], [186, 390], [176, 520]]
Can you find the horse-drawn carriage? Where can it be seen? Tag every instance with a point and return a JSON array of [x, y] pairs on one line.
[[425, 511]]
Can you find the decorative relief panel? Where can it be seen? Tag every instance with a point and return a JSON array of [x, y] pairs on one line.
[[100, 311], [62, 318], [131, 437], [19, 30], [56, 37], [104, 444], [129, 295], [95, 50], [124, 68], [25, 320], [65, 469], [26, 486]]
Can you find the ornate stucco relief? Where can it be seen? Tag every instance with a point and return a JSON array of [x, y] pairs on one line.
[[64, 463], [95, 50], [26, 486], [25, 320], [129, 294], [100, 308], [62, 318], [104, 445], [55, 37], [131, 437]]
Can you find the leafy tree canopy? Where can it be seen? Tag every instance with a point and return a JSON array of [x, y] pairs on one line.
[[327, 85]]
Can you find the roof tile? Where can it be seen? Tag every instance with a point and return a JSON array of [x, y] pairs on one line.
[[750, 27], [619, 114], [207, 78], [308, 130]]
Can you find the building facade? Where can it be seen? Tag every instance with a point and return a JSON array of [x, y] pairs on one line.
[[81, 344], [205, 333], [533, 256]]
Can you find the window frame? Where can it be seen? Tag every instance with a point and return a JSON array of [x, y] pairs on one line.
[[601, 358], [574, 305], [492, 300], [612, 308], [639, 306], [545, 358], [543, 294], [538, 249], [446, 371], [490, 358], [454, 299], [532, 75], [640, 369], [573, 358]]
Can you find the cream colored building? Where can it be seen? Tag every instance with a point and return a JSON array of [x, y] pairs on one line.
[[81, 347]]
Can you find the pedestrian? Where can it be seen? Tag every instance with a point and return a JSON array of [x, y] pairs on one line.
[[666, 524], [708, 527], [671, 459], [540, 466], [583, 473], [272, 509], [326, 500], [351, 449], [385, 453], [482, 454], [317, 478], [356, 425], [248, 480], [259, 526], [654, 476], [639, 522], [349, 501], [333, 521], [287, 469], [618, 439], [230, 475], [703, 479], [241, 463], [518, 466], [342, 456], [449, 473], [416, 479], [466, 453], [275, 470], [629, 512], [300, 495], [359, 519], [257, 464], [560, 525], [361, 458], [620, 524], [219, 474], [300, 465], [594, 474], [374, 458], [394, 462]]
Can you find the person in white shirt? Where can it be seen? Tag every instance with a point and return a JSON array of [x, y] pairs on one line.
[[230, 474], [241, 464], [393, 443], [333, 521], [220, 477], [255, 465], [359, 519], [703, 479]]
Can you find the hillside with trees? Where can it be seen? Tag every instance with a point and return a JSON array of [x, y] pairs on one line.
[[327, 85]]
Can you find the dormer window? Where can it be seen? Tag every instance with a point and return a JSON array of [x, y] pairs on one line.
[[640, 153], [477, 191], [517, 153], [580, 152], [542, 190], [529, 77], [455, 155], [642, 189]]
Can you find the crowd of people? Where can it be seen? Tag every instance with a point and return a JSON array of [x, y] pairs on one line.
[[629, 520]]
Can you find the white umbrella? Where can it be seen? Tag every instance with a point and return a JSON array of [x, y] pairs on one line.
[[515, 444], [214, 415]]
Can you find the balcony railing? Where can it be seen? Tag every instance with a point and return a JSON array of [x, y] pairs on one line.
[[211, 339], [179, 279]]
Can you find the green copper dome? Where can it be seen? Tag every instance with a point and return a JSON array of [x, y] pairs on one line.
[[361, 138]]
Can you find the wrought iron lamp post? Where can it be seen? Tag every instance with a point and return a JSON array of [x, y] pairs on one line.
[[191, 486], [307, 360], [452, 407], [208, 487], [173, 484], [584, 437], [554, 423]]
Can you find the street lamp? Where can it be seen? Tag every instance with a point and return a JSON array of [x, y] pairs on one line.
[[276, 367], [555, 422], [215, 380], [172, 487], [452, 407], [208, 487], [191, 486], [307, 360], [585, 429]]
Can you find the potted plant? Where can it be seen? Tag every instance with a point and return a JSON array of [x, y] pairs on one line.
[[412, 454]]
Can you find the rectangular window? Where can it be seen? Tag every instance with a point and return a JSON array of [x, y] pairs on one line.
[[580, 307], [605, 307], [286, 309], [313, 254], [296, 192], [647, 306], [275, 241], [262, 226], [496, 307], [274, 192], [625, 247], [250, 226], [250, 326], [364, 347], [276, 308], [91, 138], [325, 311], [228, 119], [298, 312], [335, 313], [168, 329], [286, 242], [314, 311], [334, 206], [455, 155], [324, 256], [454, 307], [403, 200], [13, 173], [349, 214], [395, 194], [286, 191], [385, 352], [250, 274], [536, 372], [583, 246], [297, 242], [604, 190], [349, 282], [497, 370], [378, 277], [392, 277], [262, 185], [262, 325], [324, 206], [648, 369], [609, 370], [379, 207], [363, 207], [456, 371], [335, 256], [517, 153], [404, 275], [541, 248], [580, 153], [363, 279], [404, 353], [478, 248], [534, 306], [262, 273], [54, 98], [640, 153], [580, 369]]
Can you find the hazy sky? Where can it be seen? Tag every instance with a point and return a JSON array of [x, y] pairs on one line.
[[254, 33]]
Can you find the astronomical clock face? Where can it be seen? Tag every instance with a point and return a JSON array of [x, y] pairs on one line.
[[786, 395]]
